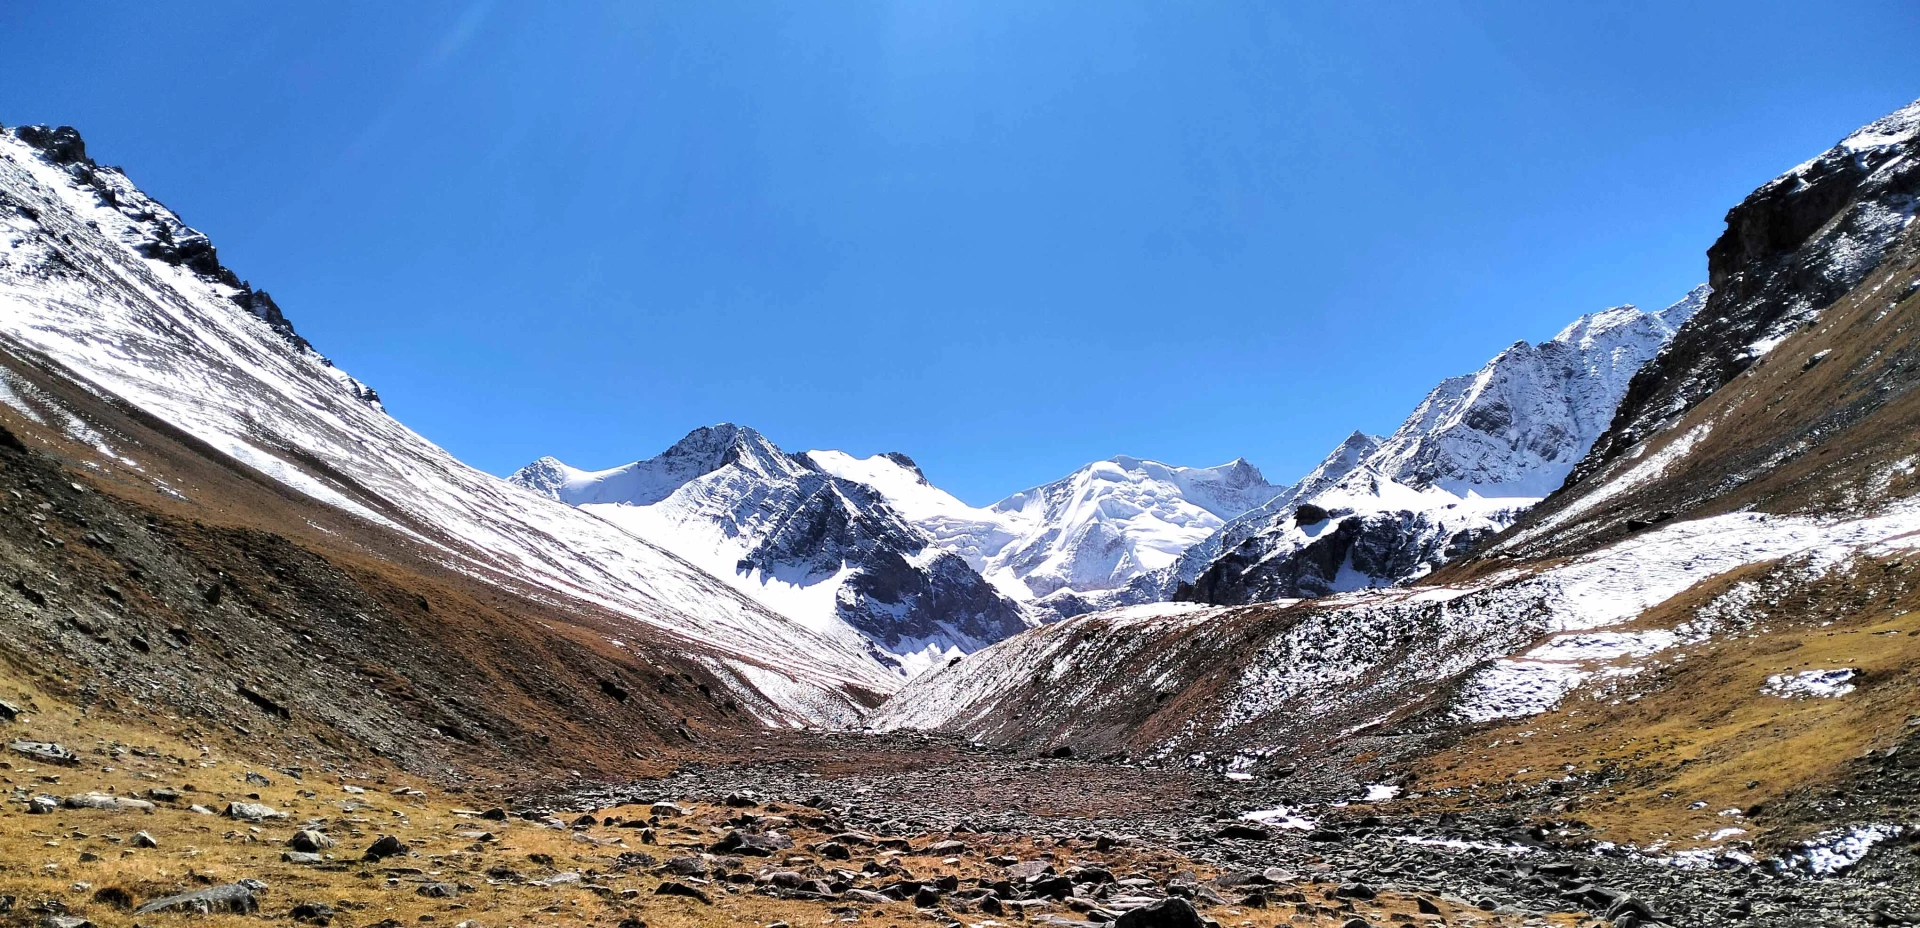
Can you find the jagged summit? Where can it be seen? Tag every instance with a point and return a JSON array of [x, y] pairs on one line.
[[810, 541], [643, 483], [1476, 453], [156, 232]]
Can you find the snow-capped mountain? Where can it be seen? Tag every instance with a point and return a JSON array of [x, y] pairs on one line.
[[1725, 502], [1477, 452], [803, 541], [108, 287], [1094, 538]]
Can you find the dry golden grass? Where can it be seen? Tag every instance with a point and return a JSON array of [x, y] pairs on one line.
[[1698, 736], [85, 859]]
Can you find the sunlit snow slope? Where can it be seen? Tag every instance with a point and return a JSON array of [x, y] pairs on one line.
[[1471, 458]]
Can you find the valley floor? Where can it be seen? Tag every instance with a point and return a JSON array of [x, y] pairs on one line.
[[812, 828]]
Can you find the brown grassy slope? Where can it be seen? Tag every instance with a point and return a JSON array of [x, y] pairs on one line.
[[1658, 756], [1822, 423], [268, 617]]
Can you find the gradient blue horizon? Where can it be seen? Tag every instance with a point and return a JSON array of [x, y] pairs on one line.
[[1003, 238]]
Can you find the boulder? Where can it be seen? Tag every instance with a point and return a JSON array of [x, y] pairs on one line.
[[309, 840], [46, 752], [105, 802], [1171, 912], [750, 844], [671, 888], [241, 898], [387, 846], [252, 812]]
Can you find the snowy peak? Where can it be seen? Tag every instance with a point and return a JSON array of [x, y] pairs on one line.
[[822, 537], [1113, 521], [1518, 425], [643, 483], [1478, 451]]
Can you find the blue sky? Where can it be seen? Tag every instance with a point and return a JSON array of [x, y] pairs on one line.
[[1005, 238]]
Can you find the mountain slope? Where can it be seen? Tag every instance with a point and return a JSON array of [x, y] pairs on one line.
[[1722, 419], [822, 550], [109, 288], [1476, 453], [1781, 560]]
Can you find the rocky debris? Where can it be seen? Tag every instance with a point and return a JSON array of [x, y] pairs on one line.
[[104, 802], [241, 898], [252, 812], [387, 846], [45, 752], [1464, 859]]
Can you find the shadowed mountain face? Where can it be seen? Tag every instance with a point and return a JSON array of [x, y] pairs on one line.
[[1836, 228], [806, 543], [1476, 453]]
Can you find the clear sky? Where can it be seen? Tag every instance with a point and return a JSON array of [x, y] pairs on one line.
[[1004, 238]]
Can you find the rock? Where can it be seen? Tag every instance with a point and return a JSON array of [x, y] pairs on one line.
[[671, 888], [1356, 923], [750, 844], [685, 866], [9, 712], [142, 839], [437, 890], [45, 752], [1027, 870], [1426, 906], [494, 815], [255, 779], [1241, 831], [1354, 891], [387, 846], [41, 805], [304, 858], [162, 794], [309, 840], [947, 848], [105, 802], [1172, 912], [240, 898], [666, 810], [65, 921], [252, 812], [313, 913]]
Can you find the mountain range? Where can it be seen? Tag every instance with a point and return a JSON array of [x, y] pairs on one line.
[[1641, 595]]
